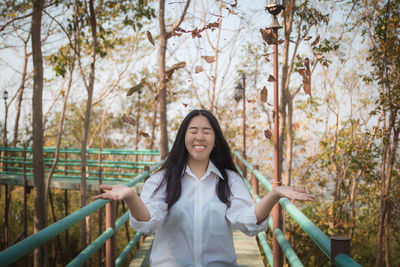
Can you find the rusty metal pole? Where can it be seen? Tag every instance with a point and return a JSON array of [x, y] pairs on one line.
[[339, 244], [270, 35], [110, 243], [100, 211], [25, 201], [66, 212], [244, 125]]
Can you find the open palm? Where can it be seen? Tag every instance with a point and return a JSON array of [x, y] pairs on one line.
[[293, 193]]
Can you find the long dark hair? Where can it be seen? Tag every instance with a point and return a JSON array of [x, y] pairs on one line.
[[176, 162]]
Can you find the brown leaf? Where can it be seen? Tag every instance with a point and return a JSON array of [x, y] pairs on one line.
[[234, 4], [146, 135], [209, 59], [129, 119], [249, 100], [281, 41], [316, 41], [269, 36], [271, 78], [264, 94], [174, 67], [185, 105], [306, 74], [150, 37], [268, 134], [231, 11], [212, 25], [198, 69], [307, 38], [196, 33]]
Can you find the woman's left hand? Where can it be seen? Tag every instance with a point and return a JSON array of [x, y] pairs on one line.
[[293, 193]]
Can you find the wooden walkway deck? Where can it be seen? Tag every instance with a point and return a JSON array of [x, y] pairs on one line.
[[247, 251]]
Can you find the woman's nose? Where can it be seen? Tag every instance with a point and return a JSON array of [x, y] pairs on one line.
[[199, 136]]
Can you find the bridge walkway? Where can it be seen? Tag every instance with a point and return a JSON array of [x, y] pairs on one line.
[[246, 247]]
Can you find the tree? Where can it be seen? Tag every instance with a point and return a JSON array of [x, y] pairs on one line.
[[162, 95], [385, 59], [38, 166]]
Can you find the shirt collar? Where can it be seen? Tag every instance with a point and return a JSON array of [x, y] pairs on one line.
[[211, 168]]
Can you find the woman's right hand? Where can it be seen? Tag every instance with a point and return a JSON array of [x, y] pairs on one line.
[[115, 192]]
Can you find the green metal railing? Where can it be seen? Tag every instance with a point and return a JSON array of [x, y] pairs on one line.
[[15, 165], [317, 236], [15, 252]]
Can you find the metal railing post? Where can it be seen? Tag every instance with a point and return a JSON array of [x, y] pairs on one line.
[[110, 243], [339, 244]]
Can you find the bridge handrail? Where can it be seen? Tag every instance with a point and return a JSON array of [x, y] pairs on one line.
[[104, 151], [25, 246], [317, 236], [283, 242]]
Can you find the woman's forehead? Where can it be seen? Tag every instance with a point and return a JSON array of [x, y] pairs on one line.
[[199, 122]]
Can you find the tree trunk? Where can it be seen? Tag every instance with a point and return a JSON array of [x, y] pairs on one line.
[[285, 96], [86, 129], [162, 95], [37, 147], [215, 66]]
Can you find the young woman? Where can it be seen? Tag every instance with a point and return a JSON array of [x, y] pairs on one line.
[[196, 199]]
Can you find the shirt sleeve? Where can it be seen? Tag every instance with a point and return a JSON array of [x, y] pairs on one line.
[[241, 213], [155, 204]]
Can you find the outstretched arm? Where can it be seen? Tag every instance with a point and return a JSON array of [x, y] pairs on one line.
[[264, 207], [121, 192]]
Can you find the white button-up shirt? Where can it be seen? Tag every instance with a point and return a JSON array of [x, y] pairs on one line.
[[197, 230]]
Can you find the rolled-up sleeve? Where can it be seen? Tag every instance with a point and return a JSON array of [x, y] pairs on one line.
[[155, 204], [241, 213]]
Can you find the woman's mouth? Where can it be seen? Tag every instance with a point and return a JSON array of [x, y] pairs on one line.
[[199, 148]]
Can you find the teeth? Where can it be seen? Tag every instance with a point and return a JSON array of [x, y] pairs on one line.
[[199, 147]]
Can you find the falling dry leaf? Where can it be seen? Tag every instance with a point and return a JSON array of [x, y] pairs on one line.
[[150, 37], [209, 59], [271, 78], [281, 41], [269, 36], [268, 134], [316, 41], [231, 11], [129, 119], [136, 88], [146, 135], [198, 69], [307, 38], [306, 74], [174, 67], [185, 105], [264, 94]]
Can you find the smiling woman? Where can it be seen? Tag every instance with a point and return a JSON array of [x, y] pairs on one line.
[[196, 199]]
